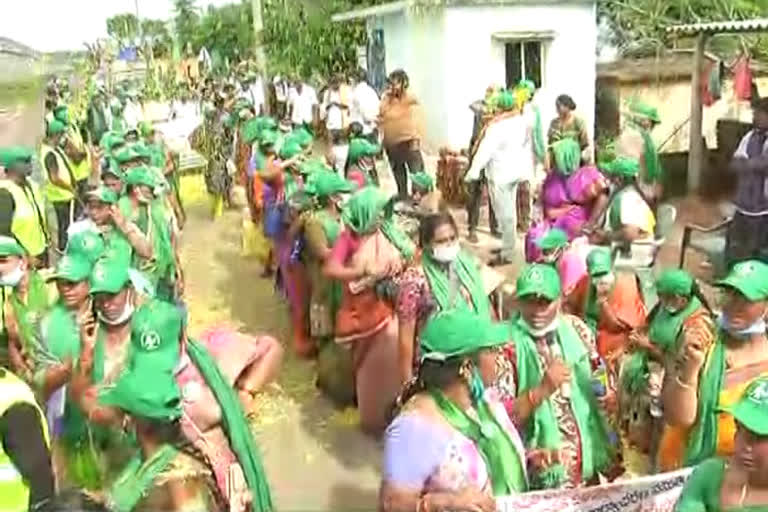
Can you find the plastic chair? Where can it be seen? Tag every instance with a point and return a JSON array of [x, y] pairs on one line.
[[709, 241]]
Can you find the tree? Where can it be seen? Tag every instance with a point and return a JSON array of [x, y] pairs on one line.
[[157, 37], [187, 21], [124, 28]]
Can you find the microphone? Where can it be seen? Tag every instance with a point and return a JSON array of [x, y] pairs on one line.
[[555, 351]]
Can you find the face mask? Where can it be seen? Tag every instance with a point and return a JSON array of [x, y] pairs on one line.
[[122, 318], [672, 310], [446, 253], [13, 277], [758, 327], [540, 333]]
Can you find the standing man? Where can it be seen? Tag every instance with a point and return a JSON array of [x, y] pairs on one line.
[[97, 121], [501, 153], [365, 107], [22, 211], [281, 97], [75, 149], [480, 109], [402, 123], [60, 183], [335, 110], [27, 482], [747, 236], [302, 102]]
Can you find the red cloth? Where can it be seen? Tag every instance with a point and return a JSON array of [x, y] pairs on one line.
[[707, 99], [742, 79], [345, 246]]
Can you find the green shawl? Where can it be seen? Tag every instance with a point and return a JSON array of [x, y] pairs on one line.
[[332, 230], [233, 421], [151, 220], [505, 469], [369, 207], [28, 315], [663, 332], [654, 173], [539, 146], [469, 277], [137, 477], [702, 439], [541, 431]]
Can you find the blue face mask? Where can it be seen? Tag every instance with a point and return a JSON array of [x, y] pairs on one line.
[[758, 327], [476, 386]]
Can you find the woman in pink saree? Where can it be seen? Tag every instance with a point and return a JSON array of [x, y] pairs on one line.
[[573, 198]]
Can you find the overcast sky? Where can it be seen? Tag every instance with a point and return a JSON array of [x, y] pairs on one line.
[[49, 25]]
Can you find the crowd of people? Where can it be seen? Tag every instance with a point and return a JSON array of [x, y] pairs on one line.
[[104, 389]]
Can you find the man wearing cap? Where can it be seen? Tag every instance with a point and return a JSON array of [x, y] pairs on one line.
[[567, 436], [737, 483], [120, 236], [22, 211], [705, 378], [747, 235], [60, 188], [75, 148], [636, 142]]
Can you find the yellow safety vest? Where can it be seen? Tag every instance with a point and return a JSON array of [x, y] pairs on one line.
[[82, 170], [29, 223], [54, 193], [14, 491]]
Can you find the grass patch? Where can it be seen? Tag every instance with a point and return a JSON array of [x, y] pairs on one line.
[[21, 92]]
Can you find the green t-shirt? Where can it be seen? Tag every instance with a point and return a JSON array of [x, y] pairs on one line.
[[702, 491]]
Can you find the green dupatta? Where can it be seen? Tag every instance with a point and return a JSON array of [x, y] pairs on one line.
[[233, 421], [138, 476], [368, 208], [539, 146], [505, 469], [469, 277], [663, 332], [654, 173], [541, 430], [702, 439], [332, 229], [28, 315], [151, 220]]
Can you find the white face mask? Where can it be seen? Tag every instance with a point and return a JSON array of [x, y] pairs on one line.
[[122, 318], [540, 333], [604, 283], [446, 253], [13, 277], [758, 327]]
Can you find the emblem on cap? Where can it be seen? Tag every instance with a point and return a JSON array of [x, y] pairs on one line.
[[745, 268], [535, 275], [150, 341], [760, 393], [99, 274]]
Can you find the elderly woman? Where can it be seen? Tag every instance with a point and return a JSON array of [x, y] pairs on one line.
[[548, 388], [682, 309], [708, 377], [573, 197], [567, 125], [452, 447], [446, 277], [737, 483], [368, 256]]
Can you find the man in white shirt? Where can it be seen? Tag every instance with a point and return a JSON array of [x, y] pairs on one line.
[[365, 107], [502, 153], [281, 96], [252, 89], [334, 110], [132, 112], [302, 101]]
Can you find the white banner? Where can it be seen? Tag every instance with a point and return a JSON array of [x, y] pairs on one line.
[[657, 493]]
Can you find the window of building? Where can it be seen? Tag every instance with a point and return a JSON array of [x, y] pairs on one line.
[[524, 61]]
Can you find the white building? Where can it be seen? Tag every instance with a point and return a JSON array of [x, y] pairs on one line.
[[453, 50]]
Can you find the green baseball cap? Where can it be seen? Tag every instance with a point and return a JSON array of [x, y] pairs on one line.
[[109, 276], [302, 136], [141, 175], [644, 110], [9, 246], [538, 280], [750, 278], [505, 100], [422, 181], [359, 148], [460, 332], [61, 112], [324, 183], [87, 244], [155, 334], [751, 410], [290, 149], [15, 154], [73, 268], [268, 138], [56, 127], [103, 194], [553, 239], [599, 262], [127, 154], [146, 392], [622, 167], [675, 281], [142, 150]]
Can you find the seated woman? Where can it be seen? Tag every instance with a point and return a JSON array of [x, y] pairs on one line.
[[737, 483], [708, 377], [548, 388], [446, 277], [573, 197], [361, 162], [682, 309], [613, 308], [452, 446], [427, 199], [163, 475], [570, 259], [368, 257], [629, 217]]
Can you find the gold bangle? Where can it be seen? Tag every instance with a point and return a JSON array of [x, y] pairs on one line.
[[683, 384]]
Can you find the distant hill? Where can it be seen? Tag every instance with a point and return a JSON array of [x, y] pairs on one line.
[[9, 46]]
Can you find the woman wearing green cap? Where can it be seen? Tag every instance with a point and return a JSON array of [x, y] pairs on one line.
[[636, 142], [452, 445], [428, 199], [446, 277], [682, 311], [361, 162], [705, 378], [548, 388], [738, 483], [368, 256]]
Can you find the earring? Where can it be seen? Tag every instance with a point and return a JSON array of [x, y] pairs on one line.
[[465, 373]]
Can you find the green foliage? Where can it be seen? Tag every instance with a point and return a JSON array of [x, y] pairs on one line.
[[639, 24], [227, 31], [124, 28], [156, 34], [187, 21]]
